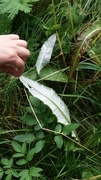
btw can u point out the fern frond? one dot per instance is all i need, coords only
(12, 7)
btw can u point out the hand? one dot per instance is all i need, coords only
(13, 54)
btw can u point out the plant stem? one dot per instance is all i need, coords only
(59, 133)
(57, 34)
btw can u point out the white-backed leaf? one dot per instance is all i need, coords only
(49, 97)
(45, 53)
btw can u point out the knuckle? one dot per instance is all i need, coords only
(28, 52)
(12, 54)
(16, 35)
(21, 64)
(26, 44)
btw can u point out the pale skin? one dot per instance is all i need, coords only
(13, 54)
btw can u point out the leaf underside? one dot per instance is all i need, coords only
(49, 97)
(45, 53)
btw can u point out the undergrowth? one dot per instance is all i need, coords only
(25, 147)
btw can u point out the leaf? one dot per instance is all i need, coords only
(6, 24)
(50, 73)
(23, 174)
(37, 127)
(59, 141)
(9, 177)
(21, 162)
(16, 146)
(87, 174)
(49, 97)
(29, 177)
(5, 161)
(45, 53)
(30, 154)
(29, 120)
(23, 148)
(70, 128)
(28, 138)
(8, 171)
(17, 155)
(39, 146)
(89, 66)
(15, 173)
(12, 7)
(53, 74)
(1, 173)
(11, 162)
(85, 38)
(40, 134)
(35, 172)
(69, 146)
(58, 128)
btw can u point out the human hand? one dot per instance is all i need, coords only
(13, 54)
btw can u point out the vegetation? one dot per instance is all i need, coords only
(33, 144)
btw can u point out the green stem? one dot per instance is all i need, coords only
(57, 34)
(15, 130)
(71, 19)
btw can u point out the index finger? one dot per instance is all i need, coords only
(11, 36)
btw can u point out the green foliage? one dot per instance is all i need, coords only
(83, 43)
(69, 128)
(12, 7)
(22, 156)
(6, 24)
(59, 141)
(28, 138)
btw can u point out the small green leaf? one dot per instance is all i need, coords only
(11, 162)
(51, 119)
(16, 146)
(39, 146)
(39, 134)
(69, 146)
(58, 128)
(29, 177)
(35, 172)
(17, 155)
(87, 174)
(30, 154)
(29, 120)
(9, 177)
(69, 128)
(8, 171)
(34, 101)
(5, 161)
(23, 148)
(21, 162)
(37, 127)
(28, 138)
(1, 173)
(15, 173)
(59, 141)
(23, 174)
